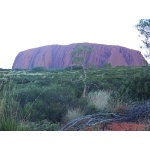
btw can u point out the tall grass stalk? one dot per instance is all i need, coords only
(9, 108)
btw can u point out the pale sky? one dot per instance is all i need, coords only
(26, 24)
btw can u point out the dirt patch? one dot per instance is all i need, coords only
(123, 126)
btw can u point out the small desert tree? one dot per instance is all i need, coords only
(143, 27)
(79, 58)
(80, 54)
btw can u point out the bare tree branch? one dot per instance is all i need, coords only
(131, 115)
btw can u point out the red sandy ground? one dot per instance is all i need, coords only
(119, 127)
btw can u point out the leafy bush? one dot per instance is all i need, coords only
(107, 65)
(21, 80)
(43, 82)
(135, 89)
(47, 103)
(38, 69)
(90, 109)
(43, 125)
(75, 67)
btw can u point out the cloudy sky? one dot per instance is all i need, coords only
(26, 24)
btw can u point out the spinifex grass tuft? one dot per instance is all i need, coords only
(99, 99)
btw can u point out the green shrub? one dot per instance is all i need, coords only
(47, 103)
(90, 109)
(135, 89)
(74, 68)
(107, 65)
(38, 69)
(43, 125)
(53, 112)
(43, 82)
(21, 80)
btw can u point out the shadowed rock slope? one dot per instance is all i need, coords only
(59, 56)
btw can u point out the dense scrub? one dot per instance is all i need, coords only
(30, 97)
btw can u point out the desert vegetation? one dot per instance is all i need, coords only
(43, 99)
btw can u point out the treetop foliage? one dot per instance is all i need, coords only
(80, 54)
(143, 27)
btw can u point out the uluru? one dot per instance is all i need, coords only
(59, 56)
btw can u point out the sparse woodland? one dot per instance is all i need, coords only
(41, 99)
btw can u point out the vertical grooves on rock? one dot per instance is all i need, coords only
(58, 56)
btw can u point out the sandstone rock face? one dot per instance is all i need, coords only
(59, 56)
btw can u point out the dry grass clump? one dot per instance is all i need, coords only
(73, 113)
(99, 99)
